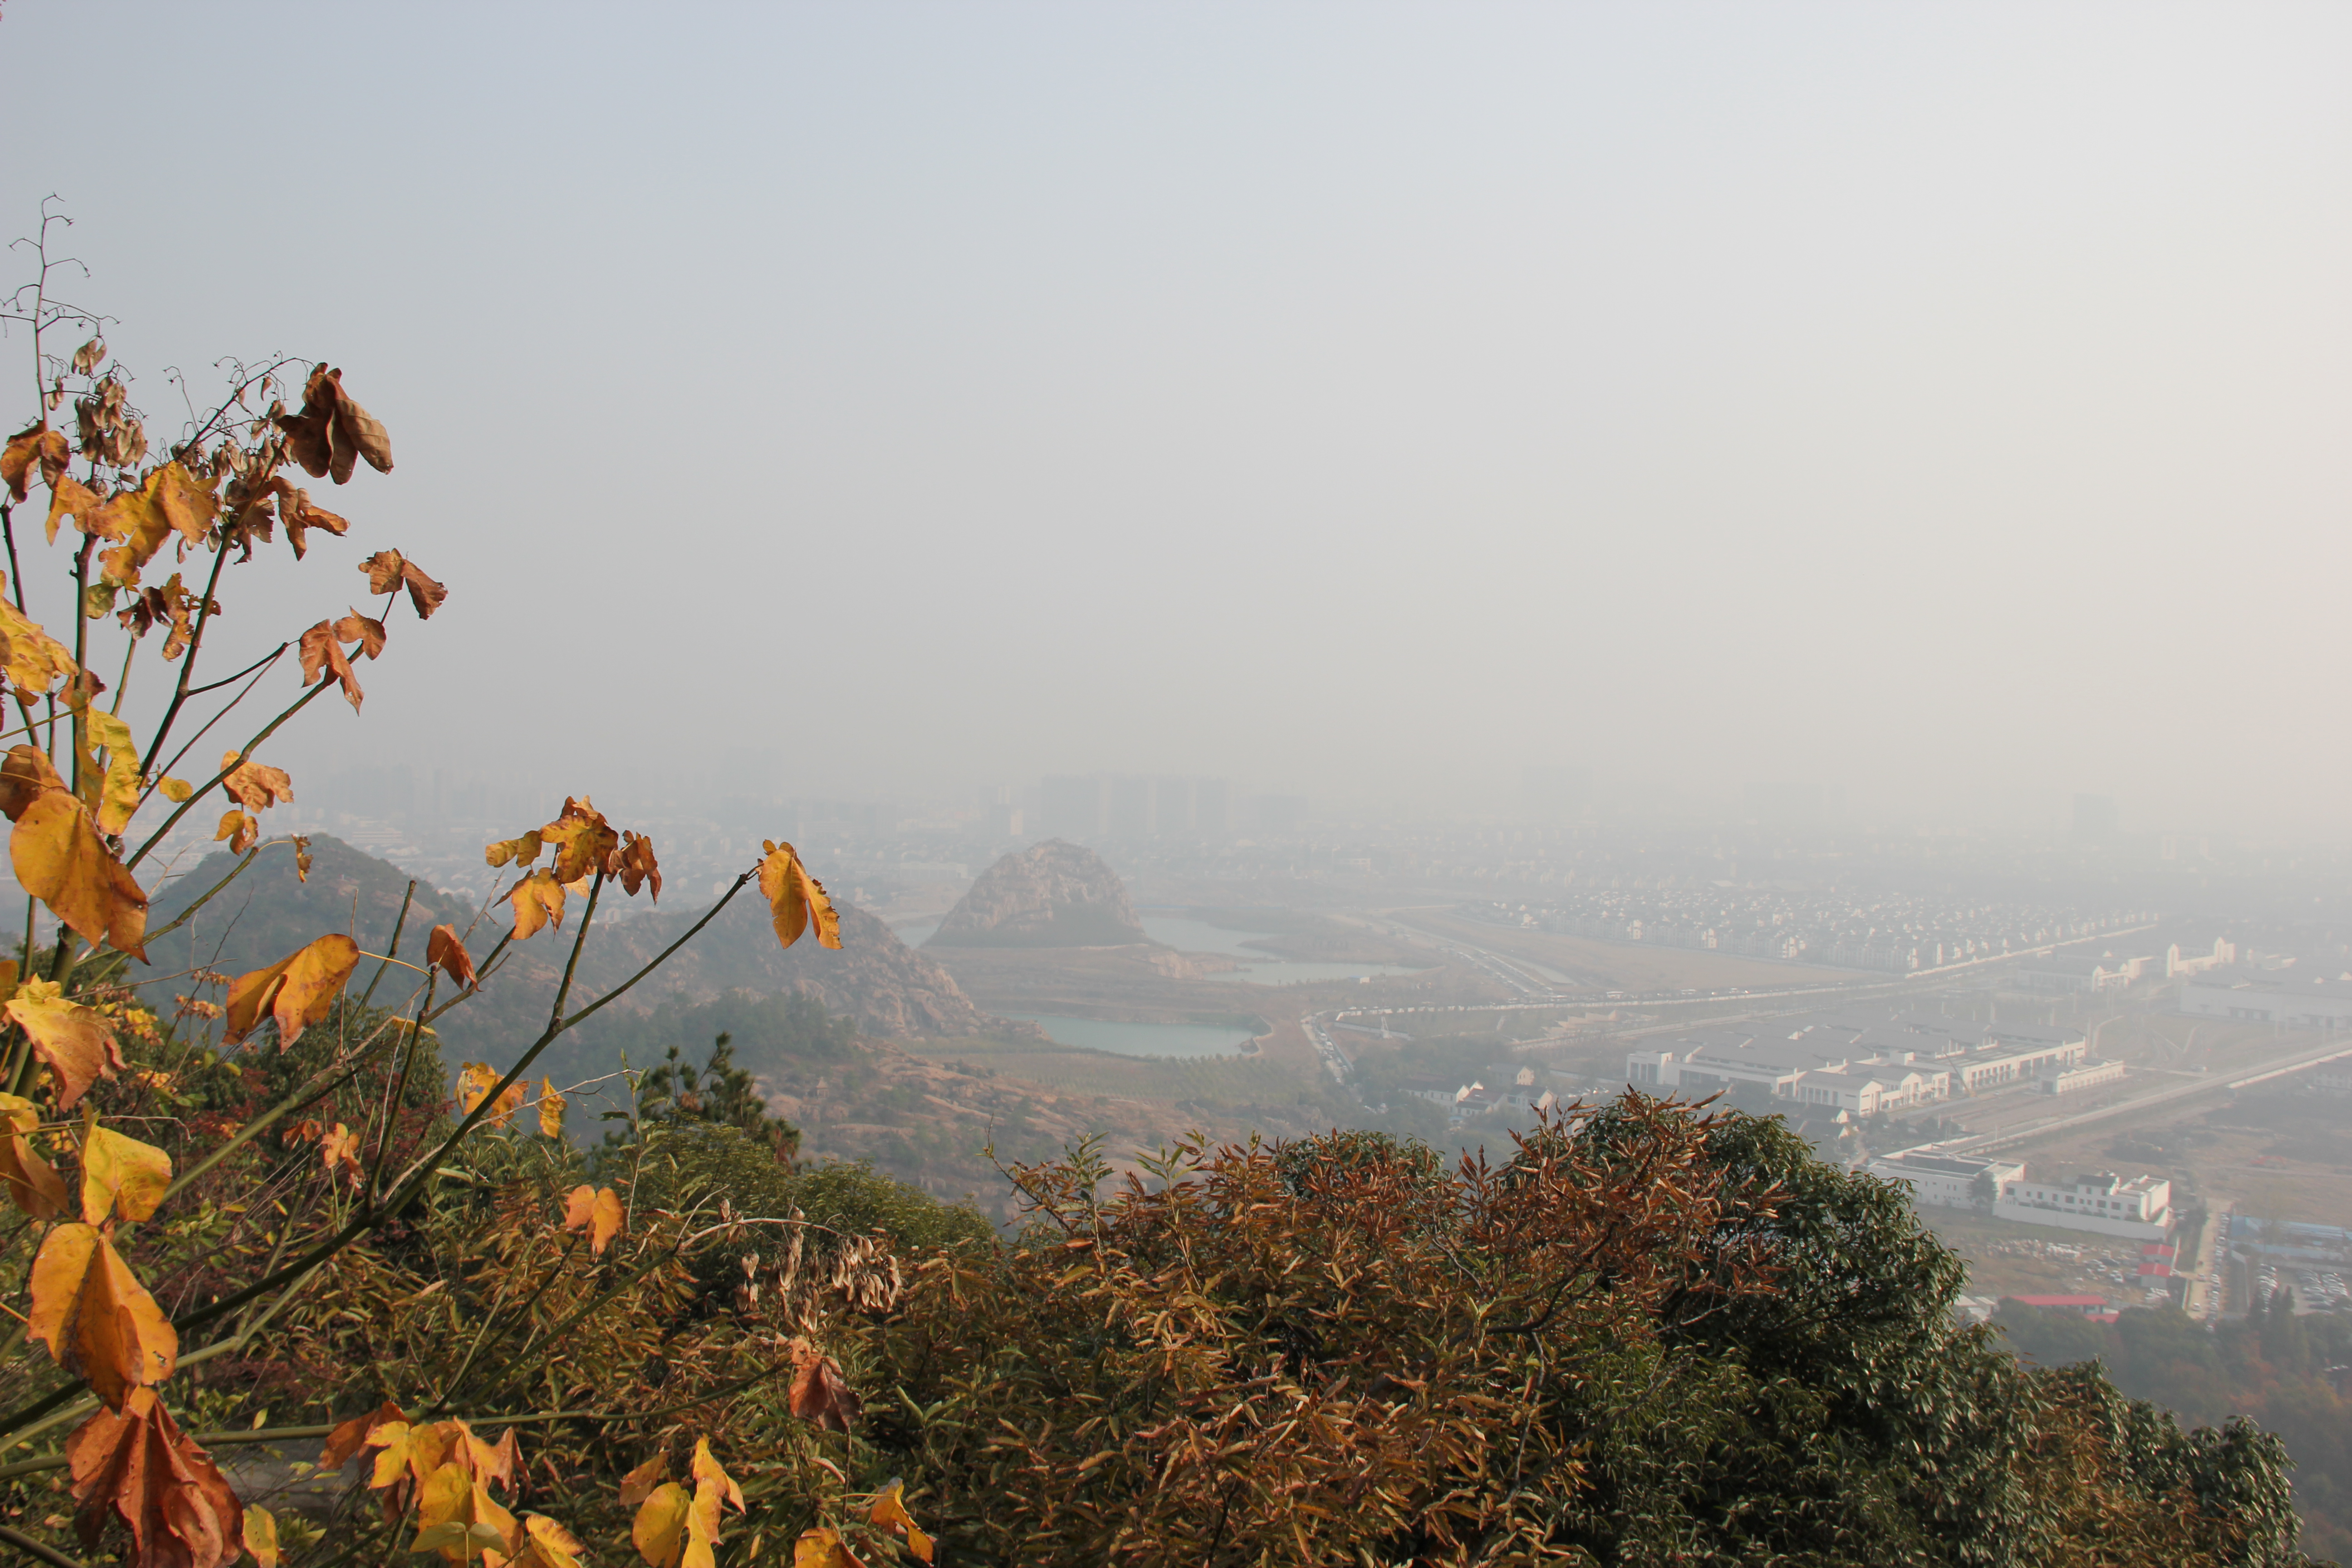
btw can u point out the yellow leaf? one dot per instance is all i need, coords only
(475, 1080)
(550, 1109)
(31, 658)
(659, 1531)
(706, 1472)
(119, 796)
(823, 1548)
(68, 497)
(177, 791)
(172, 501)
(538, 901)
(261, 1535)
(795, 898)
(521, 851)
(297, 990)
(415, 1451)
(121, 1178)
(95, 1317)
(60, 861)
(889, 1512)
(581, 837)
(73, 1040)
(240, 830)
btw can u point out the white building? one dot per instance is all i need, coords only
(2288, 991)
(2194, 956)
(1867, 1090)
(2106, 1204)
(2090, 1075)
(1860, 1063)
(1946, 1180)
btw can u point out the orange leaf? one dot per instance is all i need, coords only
(256, 787)
(550, 1109)
(96, 1318)
(818, 1393)
(25, 777)
(606, 1221)
(297, 990)
(388, 570)
(359, 628)
(795, 898)
(60, 861)
(635, 865)
(340, 1147)
(639, 1483)
(39, 446)
(241, 831)
(121, 1178)
(538, 901)
(600, 1213)
(322, 652)
(301, 843)
(73, 1040)
(33, 1183)
(444, 950)
(138, 1466)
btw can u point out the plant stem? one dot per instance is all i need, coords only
(393, 950)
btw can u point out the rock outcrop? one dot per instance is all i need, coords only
(1053, 894)
(888, 988)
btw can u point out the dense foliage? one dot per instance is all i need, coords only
(2276, 1366)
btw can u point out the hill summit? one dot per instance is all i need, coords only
(1053, 894)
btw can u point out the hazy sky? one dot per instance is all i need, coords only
(1950, 403)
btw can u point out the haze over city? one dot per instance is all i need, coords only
(1943, 405)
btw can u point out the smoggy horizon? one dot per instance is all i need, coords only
(1942, 408)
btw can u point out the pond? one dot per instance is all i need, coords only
(1141, 1039)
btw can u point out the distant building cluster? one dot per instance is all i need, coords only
(1860, 1063)
(1903, 935)
(2273, 989)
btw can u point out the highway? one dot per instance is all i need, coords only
(1984, 1142)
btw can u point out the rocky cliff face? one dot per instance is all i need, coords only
(1053, 894)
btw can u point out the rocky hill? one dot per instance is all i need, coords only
(1053, 894)
(889, 989)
